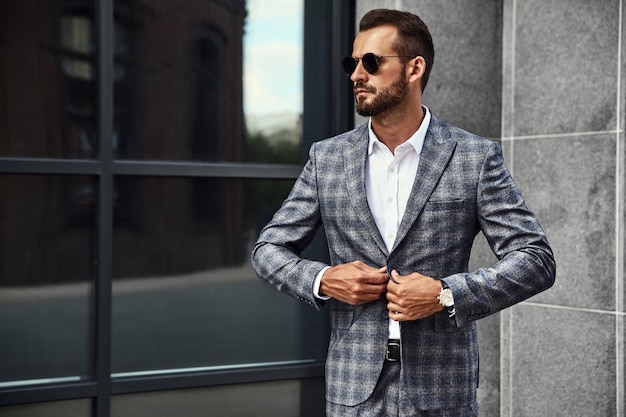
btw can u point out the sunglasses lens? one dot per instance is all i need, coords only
(370, 62)
(349, 65)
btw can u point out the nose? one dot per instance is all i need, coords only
(359, 73)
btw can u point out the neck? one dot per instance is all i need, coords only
(395, 128)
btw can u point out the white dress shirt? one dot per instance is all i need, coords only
(389, 178)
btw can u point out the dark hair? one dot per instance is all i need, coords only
(413, 35)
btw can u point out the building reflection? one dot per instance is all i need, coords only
(177, 97)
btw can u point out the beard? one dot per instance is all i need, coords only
(386, 99)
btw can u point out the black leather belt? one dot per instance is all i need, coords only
(393, 350)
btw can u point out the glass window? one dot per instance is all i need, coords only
(75, 408)
(208, 82)
(47, 101)
(185, 295)
(46, 275)
(281, 398)
(273, 73)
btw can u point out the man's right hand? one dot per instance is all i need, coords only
(354, 283)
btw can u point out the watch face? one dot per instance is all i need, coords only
(446, 298)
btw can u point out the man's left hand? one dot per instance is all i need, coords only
(412, 296)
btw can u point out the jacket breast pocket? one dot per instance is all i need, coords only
(448, 215)
(447, 205)
(445, 231)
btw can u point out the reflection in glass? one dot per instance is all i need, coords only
(76, 39)
(185, 295)
(46, 275)
(74, 408)
(271, 399)
(184, 76)
(178, 93)
(273, 73)
(202, 82)
(47, 79)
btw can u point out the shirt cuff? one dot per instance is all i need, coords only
(316, 285)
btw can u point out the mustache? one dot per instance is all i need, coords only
(362, 86)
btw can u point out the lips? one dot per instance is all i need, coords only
(360, 89)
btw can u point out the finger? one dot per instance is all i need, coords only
(395, 315)
(391, 276)
(377, 289)
(378, 277)
(394, 276)
(394, 288)
(394, 307)
(365, 267)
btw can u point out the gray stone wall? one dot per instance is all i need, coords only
(547, 79)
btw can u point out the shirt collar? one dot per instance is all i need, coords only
(416, 140)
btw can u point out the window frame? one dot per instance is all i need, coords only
(329, 28)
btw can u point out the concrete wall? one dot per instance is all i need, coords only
(546, 78)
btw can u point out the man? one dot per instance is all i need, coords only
(401, 199)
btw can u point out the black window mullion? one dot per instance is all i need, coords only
(103, 286)
(184, 380)
(328, 32)
(206, 169)
(343, 32)
(44, 166)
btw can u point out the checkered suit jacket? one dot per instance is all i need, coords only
(461, 188)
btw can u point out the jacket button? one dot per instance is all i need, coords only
(385, 314)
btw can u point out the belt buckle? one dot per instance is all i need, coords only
(393, 351)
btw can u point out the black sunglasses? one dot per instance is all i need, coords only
(369, 60)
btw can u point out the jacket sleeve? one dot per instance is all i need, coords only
(276, 255)
(525, 264)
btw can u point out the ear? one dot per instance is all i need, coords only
(416, 68)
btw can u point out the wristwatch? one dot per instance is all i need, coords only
(447, 300)
(445, 297)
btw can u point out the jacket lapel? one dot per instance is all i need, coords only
(436, 152)
(355, 156)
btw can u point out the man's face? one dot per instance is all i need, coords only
(378, 101)
(388, 87)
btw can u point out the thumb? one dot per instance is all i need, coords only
(393, 276)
